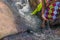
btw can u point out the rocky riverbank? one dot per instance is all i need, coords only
(25, 21)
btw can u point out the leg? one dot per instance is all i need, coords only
(43, 24)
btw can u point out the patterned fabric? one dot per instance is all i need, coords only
(52, 10)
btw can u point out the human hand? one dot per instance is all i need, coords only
(44, 17)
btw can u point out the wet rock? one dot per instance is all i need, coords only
(24, 17)
(34, 36)
(10, 21)
(7, 24)
(24, 21)
(20, 36)
(25, 12)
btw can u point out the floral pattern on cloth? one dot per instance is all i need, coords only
(52, 11)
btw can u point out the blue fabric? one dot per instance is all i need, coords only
(55, 10)
(57, 3)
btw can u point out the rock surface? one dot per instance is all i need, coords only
(25, 21)
(7, 24)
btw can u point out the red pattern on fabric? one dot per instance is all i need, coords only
(52, 14)
(54, 4)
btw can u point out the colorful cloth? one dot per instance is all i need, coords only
(52, 10)
(39, 7)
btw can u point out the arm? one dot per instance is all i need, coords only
(43, 7)
(43, 10)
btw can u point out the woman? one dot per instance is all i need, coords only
(45, 5)
(50, 11)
